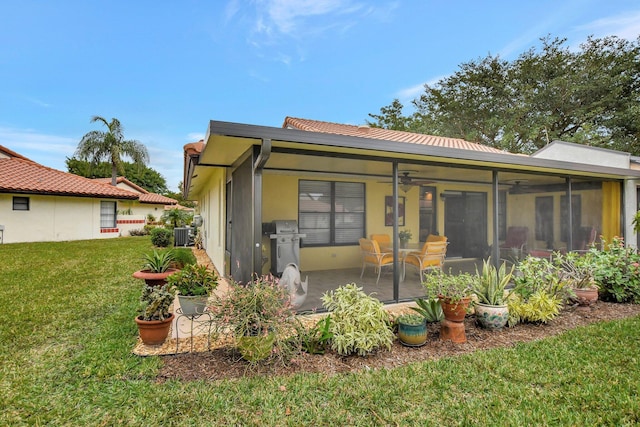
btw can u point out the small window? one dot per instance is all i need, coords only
(20, 203)
(107, 214)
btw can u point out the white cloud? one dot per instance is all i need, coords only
(33, 141)
(48, 150)
(290, 16)
(408, 94)
(626, 26)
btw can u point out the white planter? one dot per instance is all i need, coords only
(192, 306)
(492, 316)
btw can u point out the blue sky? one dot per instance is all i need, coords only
(165, 68)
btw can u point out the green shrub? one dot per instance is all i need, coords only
(183, 257)
(316, 339)
(540, 307)
(161, 237)
(616, 271)
(539, 274)
(139, 232)
(359, 322)
(539, 293)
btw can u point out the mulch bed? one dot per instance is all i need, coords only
(225, 363)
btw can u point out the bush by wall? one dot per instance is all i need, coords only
(161, 237)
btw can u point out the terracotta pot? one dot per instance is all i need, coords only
(412, 335)
(154, 332)
(492, 316)
(154, 279)
(455, 311)
(586, 296)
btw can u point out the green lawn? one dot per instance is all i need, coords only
(67, 331)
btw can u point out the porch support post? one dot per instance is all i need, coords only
(570, 215)
(259, 162)
(396, 264)
(495, 247)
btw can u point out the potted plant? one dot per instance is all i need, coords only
(412, 329)
(154, 320)
(404, 236)
(256, 315)
(156, 268)
(452, 290)
(577, 271)
(492, 311)
(193, 284)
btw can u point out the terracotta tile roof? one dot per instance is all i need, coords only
(194, 147)
(122, 180)
(143, 195)
(5, 152)
(157, 199)
(18, 175)
(385, 134)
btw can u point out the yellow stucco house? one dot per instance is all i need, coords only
(338, 183)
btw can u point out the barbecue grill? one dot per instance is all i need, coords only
(285, 245)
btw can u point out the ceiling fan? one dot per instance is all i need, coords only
(405, 182)
(518, 188)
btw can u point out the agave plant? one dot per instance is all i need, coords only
(158, 261)
(491, 284)
(430, 309)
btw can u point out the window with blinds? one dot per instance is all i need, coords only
(20, 203)
(107, 214)
(331, 213)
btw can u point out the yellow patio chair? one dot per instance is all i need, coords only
(384, 240)
(431, 256)
(371, 255)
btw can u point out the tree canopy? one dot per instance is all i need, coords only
(97, 146)
(141, 175)
(588, 95)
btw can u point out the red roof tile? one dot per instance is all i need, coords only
(385, 134)
(122, 179)
(144, 195)
(18, 175)
(194, 147)
(157, 198)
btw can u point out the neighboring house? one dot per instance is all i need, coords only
(343, 182)
(133, 215)
(38, 203)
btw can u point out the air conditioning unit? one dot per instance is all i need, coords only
(180, 236)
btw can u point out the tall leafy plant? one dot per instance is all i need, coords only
(359, 322)
(492, 283)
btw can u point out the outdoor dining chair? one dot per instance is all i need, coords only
(371, 255)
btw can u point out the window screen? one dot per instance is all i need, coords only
(331, 213)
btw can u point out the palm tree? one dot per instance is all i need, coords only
(97, 146)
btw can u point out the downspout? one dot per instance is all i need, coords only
(258, 165)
